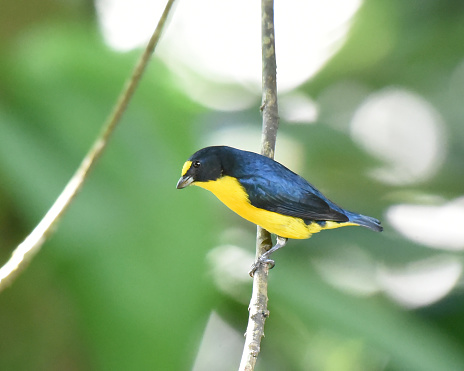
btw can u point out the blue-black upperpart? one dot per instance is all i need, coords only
(271, 186)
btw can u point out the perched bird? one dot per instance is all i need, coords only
(268, 194)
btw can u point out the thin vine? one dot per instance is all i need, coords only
(27, 249)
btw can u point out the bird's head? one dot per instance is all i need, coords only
(203, 166)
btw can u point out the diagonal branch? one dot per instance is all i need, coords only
(25, 251)
(258, 311)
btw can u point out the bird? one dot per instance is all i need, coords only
(266, 193)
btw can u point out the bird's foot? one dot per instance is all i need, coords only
(263, 259)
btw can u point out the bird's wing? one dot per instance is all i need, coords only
(287, 193)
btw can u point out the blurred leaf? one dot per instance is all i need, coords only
(127, 252)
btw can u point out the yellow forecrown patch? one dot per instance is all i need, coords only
(186, 167)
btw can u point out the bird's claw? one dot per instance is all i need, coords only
(261, 261)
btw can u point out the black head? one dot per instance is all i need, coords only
(203, 166)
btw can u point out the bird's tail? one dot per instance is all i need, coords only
(366, 221)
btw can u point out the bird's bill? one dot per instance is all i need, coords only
(184, 181)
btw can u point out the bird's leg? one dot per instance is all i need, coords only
(264, 258)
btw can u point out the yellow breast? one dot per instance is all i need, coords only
(233, 195)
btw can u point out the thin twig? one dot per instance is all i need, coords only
(258, 311)
(25, 251)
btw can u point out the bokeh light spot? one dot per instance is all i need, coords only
(221, 345)
(296, 108)
(219, 41)
(421, 283)
(436, 226)
(403, 130)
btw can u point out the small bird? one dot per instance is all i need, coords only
(268, 194)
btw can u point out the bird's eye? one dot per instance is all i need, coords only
(196, 164)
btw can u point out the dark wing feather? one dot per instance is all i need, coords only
(280, 190)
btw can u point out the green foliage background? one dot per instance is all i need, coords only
(125, 282)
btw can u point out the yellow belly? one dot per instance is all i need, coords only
(233, 195)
